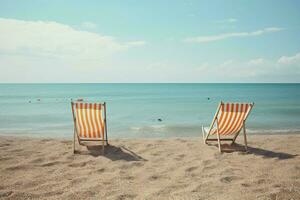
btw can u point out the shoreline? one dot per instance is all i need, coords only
(176, 168)
(70, 137)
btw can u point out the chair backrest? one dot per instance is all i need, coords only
(231, 117)
(89, 119)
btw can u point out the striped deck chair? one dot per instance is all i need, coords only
(89, 123)
(228, 121)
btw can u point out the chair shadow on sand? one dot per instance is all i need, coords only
(227, 148)
(112, 152)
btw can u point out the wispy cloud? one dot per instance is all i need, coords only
(254, 70)
(223, 36)
(228, 20)
(257, 61)
(288, 60)
(52, 39)
(136, 43)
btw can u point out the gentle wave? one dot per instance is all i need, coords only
(193, 129)
(273, 131)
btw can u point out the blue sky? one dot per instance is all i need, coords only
(150, 41)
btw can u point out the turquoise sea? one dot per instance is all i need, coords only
(133, 110)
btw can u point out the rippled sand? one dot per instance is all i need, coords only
(150, 169)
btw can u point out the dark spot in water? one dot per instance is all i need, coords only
(159, 119)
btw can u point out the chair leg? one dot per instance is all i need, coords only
(234, 138)
(74, 148)
(74, 143)
(103, 147)
(219, 143)
(203, 135)
(218, 135)
(245, 137)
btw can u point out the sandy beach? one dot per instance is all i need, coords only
(34, 168)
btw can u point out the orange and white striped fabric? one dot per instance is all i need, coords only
(89, 120)
(231, 117)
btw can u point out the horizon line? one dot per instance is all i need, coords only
(149, 82)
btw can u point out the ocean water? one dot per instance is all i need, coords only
(133, 110)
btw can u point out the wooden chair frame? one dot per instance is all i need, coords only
(219, 139)
(80, 140)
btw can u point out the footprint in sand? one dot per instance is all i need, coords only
(50, 171)
(4, 145)
(50, 194)
(16, 150)
(149, 145)
(18, 167)
(31, 184)
(229, 179)
(77, 195)
(277, 185)
(137, 164)
(70, 157)
(4, 194)
(54, 157)
(154, 154)
(261, 181)
(51, 164)
(129, 178)
(228, 172)
(154, 177)
(78, 180)
(190, 169)
(245, 184)
(207, 162)
(130, 165)
(82, 164)
(179, 157)
(168, 155)
(5, 158)
(126, 196)
(259, 190)
(100, 170)
(198, 188)
(64, 153)
(37, 160)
